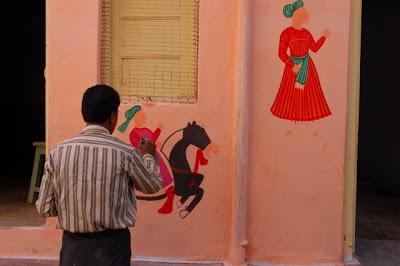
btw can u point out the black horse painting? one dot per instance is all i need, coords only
(187, 181)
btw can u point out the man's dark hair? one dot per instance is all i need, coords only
(98, 103)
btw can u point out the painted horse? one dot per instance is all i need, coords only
(186, 181)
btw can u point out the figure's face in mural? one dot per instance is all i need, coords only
(140, 119)
(301, 16)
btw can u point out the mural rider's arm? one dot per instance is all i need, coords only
(157, 132)
(45, 204)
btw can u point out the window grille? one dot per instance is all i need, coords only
(149, 49)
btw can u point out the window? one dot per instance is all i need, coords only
(150, 48)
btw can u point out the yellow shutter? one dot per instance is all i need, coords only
(154, 49)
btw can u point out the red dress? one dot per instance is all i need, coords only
(293, 103)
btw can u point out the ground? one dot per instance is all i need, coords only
(14, 210)
(378, 226)
(10, 262)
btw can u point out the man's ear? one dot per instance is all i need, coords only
(114, 117)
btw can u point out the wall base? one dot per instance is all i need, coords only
(258, 263)
(136, 261)
(153, 261)
(351, 260)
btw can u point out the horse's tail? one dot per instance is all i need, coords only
(152, 198)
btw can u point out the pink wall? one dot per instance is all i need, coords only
(72, 66)
(296, 169)
(204, 234)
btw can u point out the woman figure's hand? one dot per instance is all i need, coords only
(296, 68)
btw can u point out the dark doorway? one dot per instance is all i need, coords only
(378, 189)
(23, 105)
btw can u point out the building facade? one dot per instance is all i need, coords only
(278, 179)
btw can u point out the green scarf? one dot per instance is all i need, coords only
(302, 75)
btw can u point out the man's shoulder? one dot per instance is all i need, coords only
(96, 140)
(61, 144)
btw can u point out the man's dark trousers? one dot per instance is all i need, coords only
(107, 248)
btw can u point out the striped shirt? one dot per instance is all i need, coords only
(89, 182)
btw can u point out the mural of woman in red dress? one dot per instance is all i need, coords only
(300, 96)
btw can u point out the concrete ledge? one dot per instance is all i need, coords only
(318, 264)
(51, 262)
(54, 262)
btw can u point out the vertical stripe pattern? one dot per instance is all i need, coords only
(89, 182)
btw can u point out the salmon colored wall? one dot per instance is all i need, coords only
(72, 66)
(71, 63)
(204, 234)
(294, 171)
(295, 201)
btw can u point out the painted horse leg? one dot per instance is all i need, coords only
(194, 182)
(167, 207)
(196, 191)
(184, 198)
(198, 195)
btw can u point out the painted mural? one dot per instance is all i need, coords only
(185, 180)
(300, 96)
